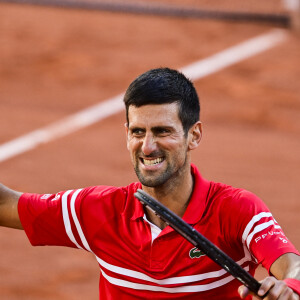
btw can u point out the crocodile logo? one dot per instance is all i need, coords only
(196, 253)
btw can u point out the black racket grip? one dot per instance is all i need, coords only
(198, 240)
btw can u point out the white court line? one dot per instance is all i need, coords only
(114, 105)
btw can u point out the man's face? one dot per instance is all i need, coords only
(156, 142)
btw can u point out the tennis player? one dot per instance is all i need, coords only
(140, 257)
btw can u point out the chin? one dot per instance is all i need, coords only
(152, 182)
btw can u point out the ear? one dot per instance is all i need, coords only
(126, 131)
(195, 135)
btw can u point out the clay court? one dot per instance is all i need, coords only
(55, 62)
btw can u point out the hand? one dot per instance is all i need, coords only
(277, 289)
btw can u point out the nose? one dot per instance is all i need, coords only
(148, 144)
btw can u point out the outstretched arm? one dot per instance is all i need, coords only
(286, 266)
(9, 216)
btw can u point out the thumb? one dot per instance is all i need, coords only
(243, 291)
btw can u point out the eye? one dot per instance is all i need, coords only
(137, 132)
(162, 131)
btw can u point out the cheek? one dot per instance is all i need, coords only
(132, 146)
(180, 150)
(175, 145)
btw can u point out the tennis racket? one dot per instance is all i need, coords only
(199, 241)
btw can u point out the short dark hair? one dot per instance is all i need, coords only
(162, 86)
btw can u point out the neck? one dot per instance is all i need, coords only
(174, 195)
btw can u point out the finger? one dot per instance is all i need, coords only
(287, 294)
(276, 289)
(281, 291)
(266, 285)
(244, 291)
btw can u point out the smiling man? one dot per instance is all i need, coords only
(140, 257)
(158, 146)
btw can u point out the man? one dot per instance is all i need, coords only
(139, 255)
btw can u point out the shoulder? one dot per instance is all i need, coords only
(235, 198)
(235, 205)
(233, 210)
(106, 196)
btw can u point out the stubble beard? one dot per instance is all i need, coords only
(153, 180)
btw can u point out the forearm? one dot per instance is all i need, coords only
(286, 266)
(9, 208)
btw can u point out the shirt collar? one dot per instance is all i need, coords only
(197, 202)
(138, 211)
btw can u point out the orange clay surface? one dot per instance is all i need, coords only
(55, 62)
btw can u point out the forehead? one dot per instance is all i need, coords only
(154, 115)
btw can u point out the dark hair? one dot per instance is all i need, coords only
(162, 86)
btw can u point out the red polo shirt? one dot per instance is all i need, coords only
(108, 221)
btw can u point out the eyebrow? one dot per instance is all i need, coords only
(157, 128)
(154, 128)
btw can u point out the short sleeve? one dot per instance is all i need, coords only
(70, 218)
(45, 218)
(261, 234)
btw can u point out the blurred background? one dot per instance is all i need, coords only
(58, 58)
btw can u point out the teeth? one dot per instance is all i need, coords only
(151, 162)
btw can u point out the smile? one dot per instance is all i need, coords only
(151, 162)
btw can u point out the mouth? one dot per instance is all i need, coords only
(152, 161)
